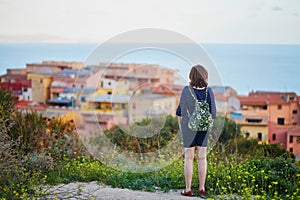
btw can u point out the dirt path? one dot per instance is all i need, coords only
(93, 190)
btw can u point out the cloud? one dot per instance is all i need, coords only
(276, 8)
(295, 14)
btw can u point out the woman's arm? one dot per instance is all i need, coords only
(213, 109)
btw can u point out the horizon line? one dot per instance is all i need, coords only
(99, 43)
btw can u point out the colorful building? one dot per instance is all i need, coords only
(138, 75)
(147, 105)
(41, 84)
(268, 116)
(68, 88)
(168, 90)
(16, 81)
(293, 142)
(52, 67)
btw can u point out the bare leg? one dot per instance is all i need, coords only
(188, 167)
(202, 166)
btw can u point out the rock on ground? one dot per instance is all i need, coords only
(95, 191)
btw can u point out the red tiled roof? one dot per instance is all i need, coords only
(261, 100)
(170, 89)
(23, 104)
(265, 98)
(262, 93)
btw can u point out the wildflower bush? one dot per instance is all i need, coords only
(16, 181)
(30, 146)
(263, 178)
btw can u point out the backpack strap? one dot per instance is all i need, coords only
(206, 94)
(192, 93)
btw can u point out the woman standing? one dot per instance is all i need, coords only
(195, 139)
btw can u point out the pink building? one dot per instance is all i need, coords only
(281, 111)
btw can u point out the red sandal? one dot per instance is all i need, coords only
(186, 193)
(202, 194)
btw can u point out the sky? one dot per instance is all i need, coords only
(204, 21)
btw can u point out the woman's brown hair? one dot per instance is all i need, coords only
(198, 76)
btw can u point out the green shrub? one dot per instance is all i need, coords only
(16, 181)
(160, 138)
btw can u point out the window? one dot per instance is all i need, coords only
(123, 105)
(274, 136)
(280, 121)
(259, 136)
(298, 139)
(247, 134)
(291, 150)
(279, 107)
(41, 80)
(265, 107)
(292, 98)
(97, 105)
(254, 120)
(295, 112)
(291, 139)
(83, 99)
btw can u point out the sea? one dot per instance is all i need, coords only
(244, 67)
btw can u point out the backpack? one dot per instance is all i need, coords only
(201, 119)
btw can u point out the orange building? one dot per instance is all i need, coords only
(272, 115)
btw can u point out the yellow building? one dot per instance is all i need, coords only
(259, 132)
(41, 84)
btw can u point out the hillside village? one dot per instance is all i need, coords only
(123, 93)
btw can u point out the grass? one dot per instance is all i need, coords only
(254, 178)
